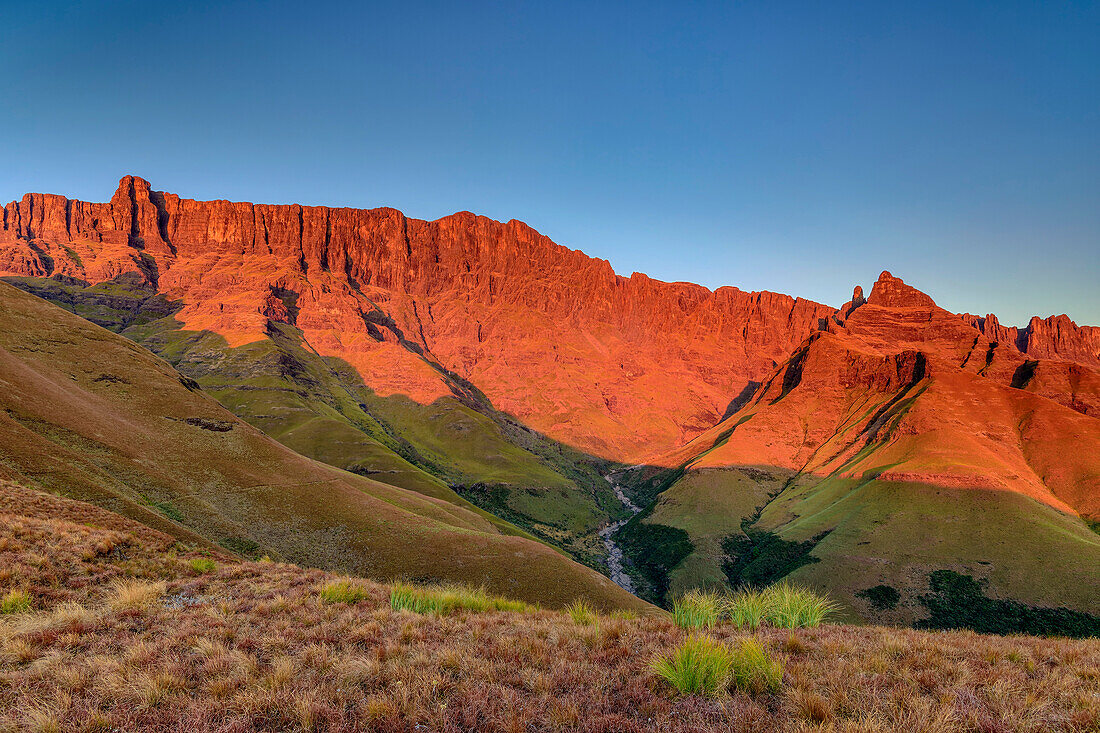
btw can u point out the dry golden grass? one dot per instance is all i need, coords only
(134, 594)
(252, 646)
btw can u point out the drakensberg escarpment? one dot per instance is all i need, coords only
(617, 366)
(621, 367)
(894, 446)
(847, 446)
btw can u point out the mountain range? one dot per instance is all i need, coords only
(478, 382)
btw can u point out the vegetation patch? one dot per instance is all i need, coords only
(699, 666)
(881, 597)
(169, 510)
(654, 549)
(241, 546)
(791, 607)
(958, 601)
(757, 558)
(753, 670)
(748, 608)
(202, 565)
(644, 487)
(15, 601)
(697, 610)
(582, 613)
(449, 599)
(73, 255)
(343, 591)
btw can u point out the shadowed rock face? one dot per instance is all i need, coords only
(617, 366)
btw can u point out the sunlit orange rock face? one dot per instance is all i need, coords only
(620, 367)
(901, 390)
(625, 368)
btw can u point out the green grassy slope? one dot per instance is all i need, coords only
(88, 414)
(321, 408)
(862, 534)
(837, 516)
(898, 533)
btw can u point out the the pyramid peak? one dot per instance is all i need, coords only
(892, 292)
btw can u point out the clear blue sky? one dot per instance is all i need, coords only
(797, 147)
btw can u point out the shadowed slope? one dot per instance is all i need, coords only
(91, 415)
(320, 407)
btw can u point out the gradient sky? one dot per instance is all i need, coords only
(796, 147)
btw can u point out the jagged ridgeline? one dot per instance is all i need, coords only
(887, 463)
(478, 363)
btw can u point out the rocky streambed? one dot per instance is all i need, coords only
(607, 534)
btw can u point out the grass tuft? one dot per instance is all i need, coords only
(134, 594)
(747, 608)
(202, 565)
(450, 598)
(754, 671)
(697, 610)
(582, 613)
(699, 666)
(792, 607)
(15, 601)
(343, 591)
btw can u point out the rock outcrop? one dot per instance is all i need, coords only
(899, 442)
(617, 366)
(1053, 337)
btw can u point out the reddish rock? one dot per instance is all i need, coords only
(908, 392)
(618, 366)
(891, 292)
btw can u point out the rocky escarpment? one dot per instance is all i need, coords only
(622, 367)
(1054, 337)
(1051, 357)
(895, 444)
(616, 365)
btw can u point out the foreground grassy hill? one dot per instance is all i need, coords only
(90, 415)
(110, 625)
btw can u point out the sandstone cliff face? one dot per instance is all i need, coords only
(620, 367)
(1053, 337)
(617, 366)
(899, 441)
(941, 404)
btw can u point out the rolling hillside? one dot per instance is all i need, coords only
(90, 415)
(120, 628)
